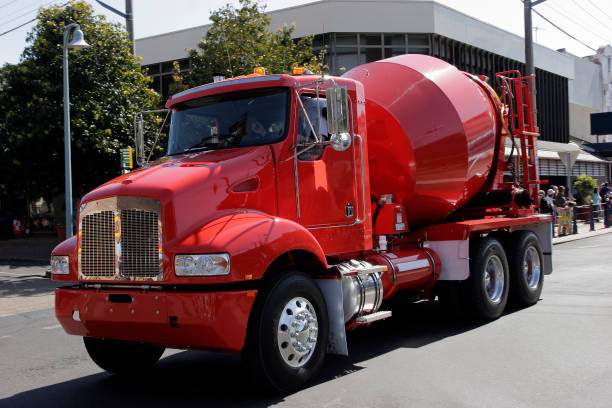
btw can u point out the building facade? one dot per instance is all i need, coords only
(353, 32)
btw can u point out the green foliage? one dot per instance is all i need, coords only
(585, 185)
(106, 88)
(238, 41)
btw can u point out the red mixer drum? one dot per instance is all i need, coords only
(431, 134)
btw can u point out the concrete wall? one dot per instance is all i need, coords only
(374, 16)
(585, 97)
(168, 46)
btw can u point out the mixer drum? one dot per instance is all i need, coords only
(431, 134)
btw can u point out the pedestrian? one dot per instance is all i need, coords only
(560, 201)
(604, 191)
(596, 204)
(547, 205)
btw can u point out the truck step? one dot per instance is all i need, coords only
(383, 314)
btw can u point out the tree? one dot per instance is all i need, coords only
(239, 40)
(585, 185)
(106, 88)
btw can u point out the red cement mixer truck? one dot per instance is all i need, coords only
(289, 208)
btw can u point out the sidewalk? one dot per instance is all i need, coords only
(583, 232)
(35, 249)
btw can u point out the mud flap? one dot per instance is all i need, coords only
(332, 292)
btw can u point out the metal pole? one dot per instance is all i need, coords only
(67, 158)
(129, 23)
(528, 39)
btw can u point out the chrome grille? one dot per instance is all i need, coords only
(98, 244)
(120, 239)
(139, 244)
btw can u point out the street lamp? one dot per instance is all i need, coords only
(77, 43)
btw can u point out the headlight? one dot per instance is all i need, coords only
(60, 265)
(202, 265)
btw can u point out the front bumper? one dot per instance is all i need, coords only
(209, 320)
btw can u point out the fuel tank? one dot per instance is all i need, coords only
(431, 130)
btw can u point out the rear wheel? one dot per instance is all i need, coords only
(526, 276)
(486, 289)
(121, 357)
(288, 332)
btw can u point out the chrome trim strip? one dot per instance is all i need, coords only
(433, 263)
(392, 267)
(412, 265)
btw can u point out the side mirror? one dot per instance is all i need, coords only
(139, 138)
(337, 110)
(338, 117)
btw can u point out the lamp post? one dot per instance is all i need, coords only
(77, 43)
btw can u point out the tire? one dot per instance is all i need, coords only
(122, 357)
(526, 274)
(292, 304)
(485, 292)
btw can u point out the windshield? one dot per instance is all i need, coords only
(245, 118)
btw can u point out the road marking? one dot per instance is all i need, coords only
(55, 326)
(4, 337)
(588, 246)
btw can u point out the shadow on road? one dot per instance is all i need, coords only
(206, 379)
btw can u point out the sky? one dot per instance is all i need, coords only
(589, 21)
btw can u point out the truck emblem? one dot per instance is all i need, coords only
(348, 210)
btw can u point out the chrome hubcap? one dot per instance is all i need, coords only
(531, 267)
(297, 332)
(493, 278)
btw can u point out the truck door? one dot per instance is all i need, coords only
(326, 179)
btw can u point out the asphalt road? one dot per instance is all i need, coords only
(555, 354)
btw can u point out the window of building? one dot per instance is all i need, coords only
(162, 75)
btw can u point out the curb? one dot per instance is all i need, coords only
(575, 237)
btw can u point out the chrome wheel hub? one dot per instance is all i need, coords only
(493, 278)
(531, 267)
(297, 332)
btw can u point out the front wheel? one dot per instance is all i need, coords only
(288, 332)
(122, 357)
(486, 289)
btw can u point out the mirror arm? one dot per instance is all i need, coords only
(139, 134)
(307, 117)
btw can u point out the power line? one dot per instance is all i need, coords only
(597, 7)
(26, 13)
(10, 2)
(23, 6)
(562, 30)
(26, 23)
(19, 26)
(578, 23)
(589, 13)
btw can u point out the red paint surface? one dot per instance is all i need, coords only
(431, 134)
(407, 279)
(216, 320)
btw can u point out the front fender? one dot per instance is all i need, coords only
(253, 240)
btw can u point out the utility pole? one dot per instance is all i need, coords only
(129, 19)
(528, 4)
(129, 22)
